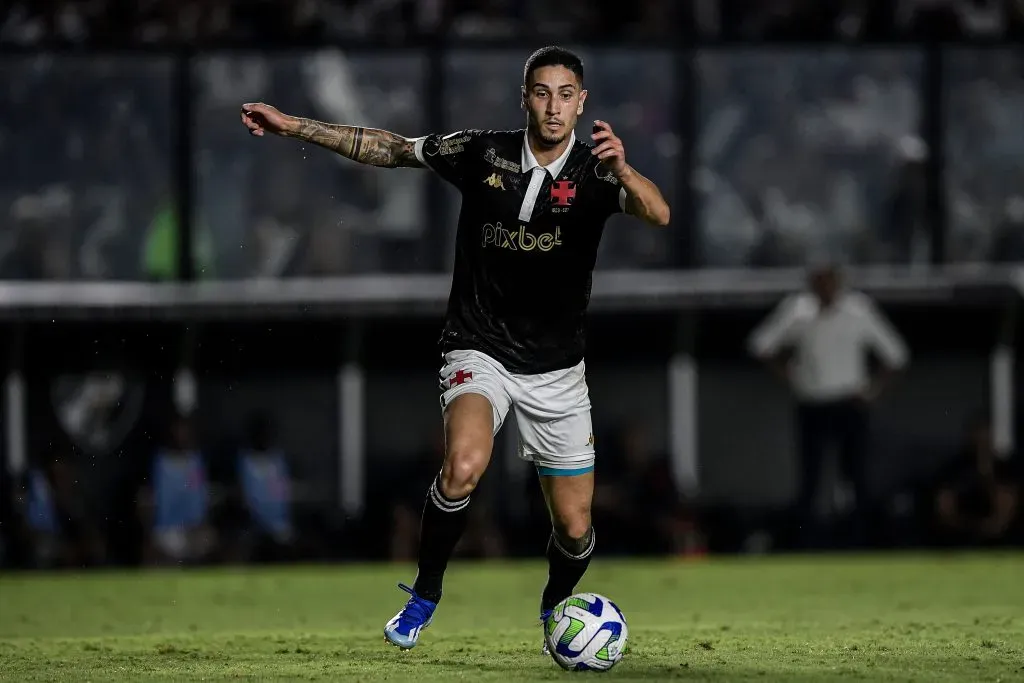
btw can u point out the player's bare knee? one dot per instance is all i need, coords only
(464, 465)
(574, 529)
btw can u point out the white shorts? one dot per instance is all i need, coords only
(552, 408)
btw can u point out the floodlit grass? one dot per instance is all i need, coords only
(873, 618)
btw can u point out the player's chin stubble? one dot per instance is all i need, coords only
(548, 139)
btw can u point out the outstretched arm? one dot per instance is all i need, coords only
(370, 146)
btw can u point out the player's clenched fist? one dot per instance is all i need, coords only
(261, 118)
(609, 148)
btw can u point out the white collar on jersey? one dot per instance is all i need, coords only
(555, 167)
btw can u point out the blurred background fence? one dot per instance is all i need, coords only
(172, 283)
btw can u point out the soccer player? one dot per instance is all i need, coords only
(534, 205)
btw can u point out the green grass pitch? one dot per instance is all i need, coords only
(841, 618)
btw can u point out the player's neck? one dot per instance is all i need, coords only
(544, 153)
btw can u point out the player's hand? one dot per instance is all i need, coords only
(261, 118)
(609, 148)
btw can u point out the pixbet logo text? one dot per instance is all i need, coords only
(519, 240)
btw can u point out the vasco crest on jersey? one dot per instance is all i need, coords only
(563, 194)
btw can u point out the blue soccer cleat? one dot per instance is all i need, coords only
(544, 633)
(403, 631)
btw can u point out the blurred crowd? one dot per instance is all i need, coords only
(88, 145)
(802, 154)
(198, 499)
(984, 149)
(800, 151)
(162, 21)
(210, 497)
(187, 500)
(809, 156)
(853, 20)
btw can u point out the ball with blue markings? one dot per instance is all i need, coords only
(586, 632)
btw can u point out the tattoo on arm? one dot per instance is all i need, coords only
(370, 146)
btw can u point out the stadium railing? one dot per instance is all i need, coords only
(372, 295)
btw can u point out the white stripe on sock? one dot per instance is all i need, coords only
(582, 556)
(441, 500)
(443, 503)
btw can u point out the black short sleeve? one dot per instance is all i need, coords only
(450, 155)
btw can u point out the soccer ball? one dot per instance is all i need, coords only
(586, 632)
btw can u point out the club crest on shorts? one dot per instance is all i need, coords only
(460, 377)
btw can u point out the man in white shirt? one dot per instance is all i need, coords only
(818, 342)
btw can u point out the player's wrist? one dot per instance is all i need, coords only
(625, 175)
(290, 127)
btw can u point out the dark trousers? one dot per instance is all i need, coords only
(844, 425)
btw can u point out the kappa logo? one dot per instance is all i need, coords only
(494, 180)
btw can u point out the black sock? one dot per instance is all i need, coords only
(441, 527)
(566, 566)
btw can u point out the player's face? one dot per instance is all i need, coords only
(553, 99)
(825, 284)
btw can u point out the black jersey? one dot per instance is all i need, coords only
(526, 246)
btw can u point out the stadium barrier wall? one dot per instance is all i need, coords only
(350, 375)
